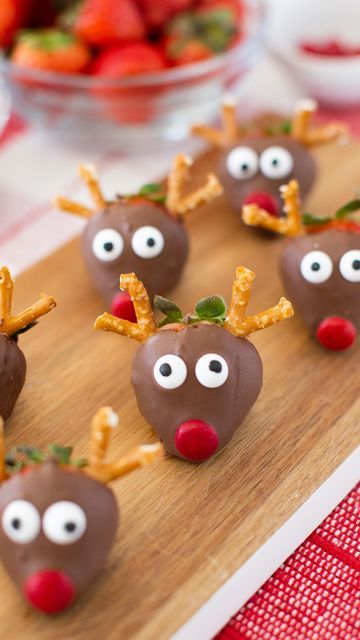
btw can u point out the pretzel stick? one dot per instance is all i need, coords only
(103, 421)
(3, 472)
(11, 324)
(69, 206)
(291, 226)
(139, 457)
(303, 113)
(241, 292)
(228, 119)
(327, 133)
(211, 189)
(88, 174)
(265, 319)
(213, 136)
(145, 325)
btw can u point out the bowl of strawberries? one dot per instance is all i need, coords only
(125, 70)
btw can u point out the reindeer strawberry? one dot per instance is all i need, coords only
(143, 233)
(320, 266)
(58, 518)
(254, 164)
(195, 377)
(12, 359)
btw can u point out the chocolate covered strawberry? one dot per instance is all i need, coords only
(12, 359)
(58, 518)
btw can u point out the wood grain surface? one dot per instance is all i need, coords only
(185, 529)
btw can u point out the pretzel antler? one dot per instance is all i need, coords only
(229, 131)
(103, 421)
(12, 324)
(301, 125)
(236, 322)
(178, 204)
(291, 225)
(87, 173)
(145, 325)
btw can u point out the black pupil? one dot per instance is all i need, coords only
(108, 246)
(70, 527)
(274, 162)
(356, 265)
(315, 266)
(150, 242)
(165, 369)
(16, 523)
(244, 166)
(215, 366)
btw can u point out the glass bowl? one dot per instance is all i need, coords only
(139, 110)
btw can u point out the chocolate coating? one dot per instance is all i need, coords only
(159, 274)
(12, 374)
(304, 171)
(81, 561)
(334, 297)
(223, 407)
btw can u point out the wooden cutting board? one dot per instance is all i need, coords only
(185, 529)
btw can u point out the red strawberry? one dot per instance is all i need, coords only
(13, 15)
(52, 50)
(130, 59)
(236, 7)
(158, 12)
(180, 52)
(133, 105)
(103, 23)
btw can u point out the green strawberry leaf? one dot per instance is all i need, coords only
(349, 207)
(32, 453)
(211, 308)
(150, 188)
(309, 219)
(168, 308)
(62, 453)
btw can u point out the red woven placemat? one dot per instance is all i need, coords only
(315, 594)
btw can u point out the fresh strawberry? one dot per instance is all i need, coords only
(133, 105)
(236, 7)
(128, 60)
(196, 35)
(13, 15)
(158, 12)
(52, 50)
(103, 23)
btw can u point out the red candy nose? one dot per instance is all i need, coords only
(122, 307)
(49, 591)
(337, 334)
(264, 201)
(196, 440)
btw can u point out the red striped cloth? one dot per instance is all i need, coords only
(315, 595)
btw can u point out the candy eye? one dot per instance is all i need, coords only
(349, 265)
(212, 370)
(21, 521)
(316, 267)
(108, 245)
(276, 163)
(64, 522)
(170, 371)
(147, 242)
(242, 163)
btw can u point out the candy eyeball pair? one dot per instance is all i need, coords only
(147, 242)
(211, 371)
(63, 522)
(317, 266)
(274, 163)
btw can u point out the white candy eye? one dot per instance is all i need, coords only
(349, 265)
(316, 267)
(212, 370)
(108, 244)
(170, 371)
(21, 521)
(64, 522)
(242, 163)
(276, 163)
(147, 242)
